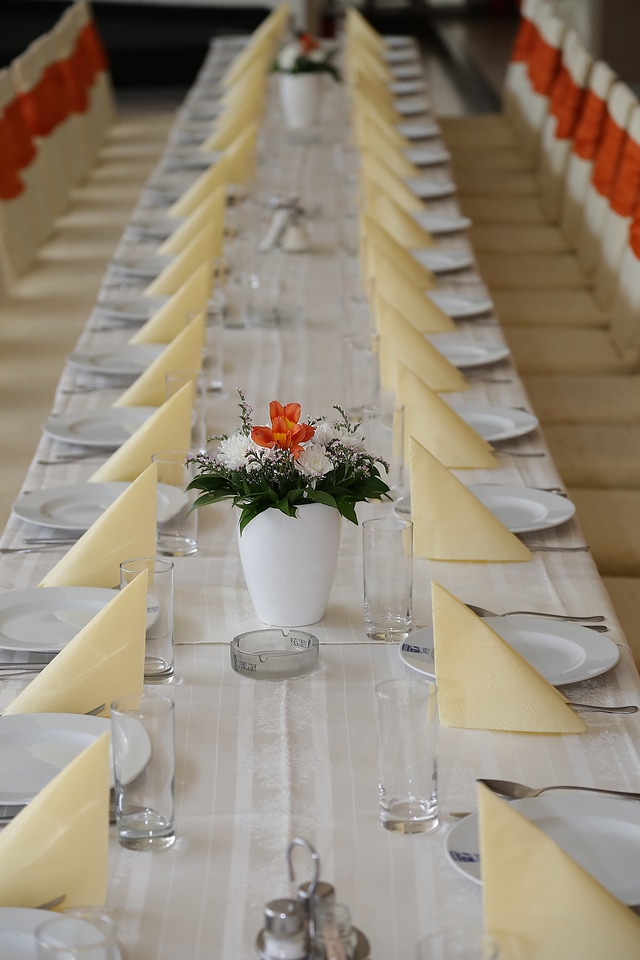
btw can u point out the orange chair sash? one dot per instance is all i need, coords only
(626, 185)
(524, 42)
(589, 126)
(608, 157)
(566, 100)
(23, 147)
(11, 185)
(544, 62)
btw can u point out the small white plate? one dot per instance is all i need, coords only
(140, 268)
(600, 833)
(431, 189)
(74, 507)
(562, 652)
(458, 307)
(498, 423)
(34, 747)
(107, 429)
(407, 88)
(407, 71)
(428, 157)
(523, 509)
(17, 932)
(443, 261)
(45, 619)
(409, 106)
(438, 225)
(419, 131)
(400, 55)
(132, 359)
(467, 354)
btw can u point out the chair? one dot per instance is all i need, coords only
(75, 77)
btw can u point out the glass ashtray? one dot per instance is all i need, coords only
(275, 654)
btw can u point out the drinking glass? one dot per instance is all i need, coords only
(407, 722)
(80, 934)
(459, 943)
(387, 555)
(178, 532)
(360, 372)
(173, 382)
(158, 653)
(144, 805)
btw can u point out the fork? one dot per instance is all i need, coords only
(34, 549)
(71, 458)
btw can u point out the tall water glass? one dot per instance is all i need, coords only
(177, 522)
(407, 722)
(387, 564)
(144, 804)
(173, 382)
(158, 653)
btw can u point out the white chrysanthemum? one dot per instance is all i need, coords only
(317, 55)
(325, 433)
(233, 451)
(355, 441)
(313, 461)
(288, 56)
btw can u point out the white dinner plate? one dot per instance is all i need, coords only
(108, 428)
(600, 833)
(467, 354)
(431, 189)
(407, 88)
(400, 55)
(562, 652)
(443, 261)
(45, 619)
(418, 131)
(498, 423)
(34, 747)
(458, 307)
(140, 268)
(75, 506)
(135, 310)
(407, 71)
(17, 932)
(409, 106)
(132, 359)
(428, 157)
(523, 509)
(439, 225)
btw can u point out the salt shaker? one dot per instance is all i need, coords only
(284, 936)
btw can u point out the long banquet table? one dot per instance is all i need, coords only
(261, 763)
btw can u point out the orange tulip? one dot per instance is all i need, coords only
(285, 431)
(307, 43)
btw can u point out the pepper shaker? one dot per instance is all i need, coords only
(284, 936)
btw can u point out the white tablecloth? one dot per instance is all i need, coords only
(259, 764)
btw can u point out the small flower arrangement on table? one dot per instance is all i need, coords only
(289, 464)
(306, 55)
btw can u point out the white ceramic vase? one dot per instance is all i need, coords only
(300, 96)
(289, 563)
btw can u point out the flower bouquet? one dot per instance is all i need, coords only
(306, 55)
(288, 464)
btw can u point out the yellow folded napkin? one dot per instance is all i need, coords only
(364, 113)
(232, 122)
(449, 523)
(200, 190)
(183, 353)
(410, 301)
(538, 900)
(125, 530)
(241, 155)
(361, 58)
(397, 222)
(377, 238)
(400, 341)
(483, 683)
(373, 141)
(385, 179)
(59, 843)
(438, 428)
(171, 319)
(200, 249)
(357, 27)
(264, 38)
(210, 211)
(102, 662)
(168, 428)
(362, 87)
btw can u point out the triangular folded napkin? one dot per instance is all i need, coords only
(58, 845)
(400, 341)
(373, 139)
(168, 428)
(104, 661)
(396, 221)
(210, 211)
(432, 422)
(483, 683)
(389, 183)
(449, 523)
(201, 189)
(200, 249)
(377, 238)
(183, 353)
(411, 301)
(126, 529)
(539, 901)
(171, 319)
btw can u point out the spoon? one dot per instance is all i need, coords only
(511, 790)
(482, 612)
